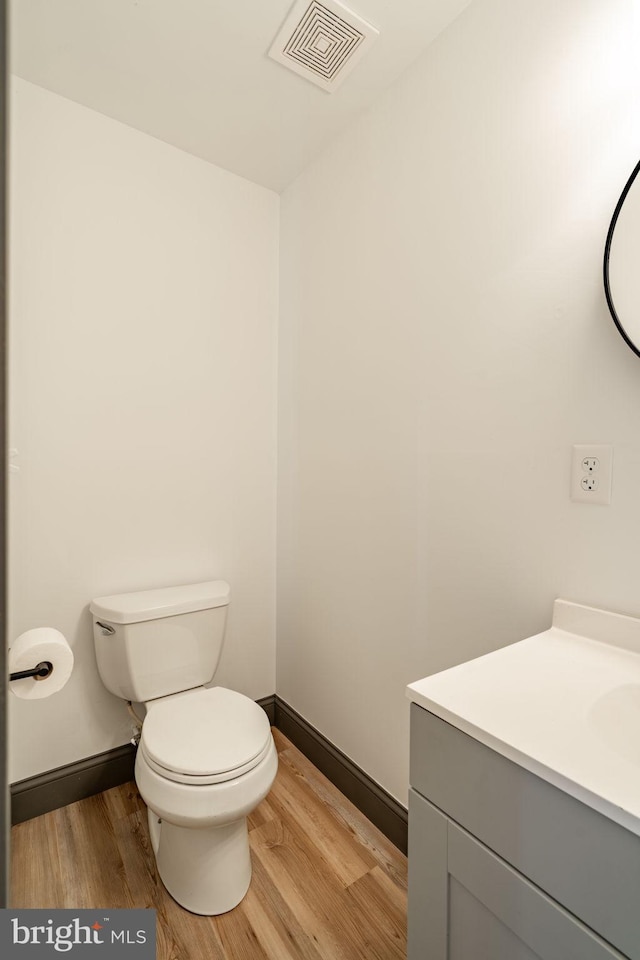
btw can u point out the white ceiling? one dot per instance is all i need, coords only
(195, 73)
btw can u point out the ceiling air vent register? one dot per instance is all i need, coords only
(322, 42)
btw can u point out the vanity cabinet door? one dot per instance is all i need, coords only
(584, 861)
(465, 903)
(428, 881)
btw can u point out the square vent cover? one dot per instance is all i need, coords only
(322, 42)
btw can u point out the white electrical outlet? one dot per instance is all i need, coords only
(591, 473)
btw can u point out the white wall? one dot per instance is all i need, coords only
(143, 366)
(444, 341)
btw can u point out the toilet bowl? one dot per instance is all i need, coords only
(206, 756)
(197, 813)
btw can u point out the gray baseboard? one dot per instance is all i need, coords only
(268, 704)
(75, 781)
(84, 778)
(369, 797)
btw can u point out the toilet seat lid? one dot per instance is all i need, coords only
(208, 732)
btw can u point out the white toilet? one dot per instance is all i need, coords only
(206, 756)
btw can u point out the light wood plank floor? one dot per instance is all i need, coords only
(327, 885)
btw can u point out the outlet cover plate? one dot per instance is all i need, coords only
(591, 473)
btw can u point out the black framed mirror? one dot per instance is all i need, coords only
(622, 263)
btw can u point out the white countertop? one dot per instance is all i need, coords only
(564, 704)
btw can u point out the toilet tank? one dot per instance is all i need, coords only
(159, 642)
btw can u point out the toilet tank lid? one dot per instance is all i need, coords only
(155, 604)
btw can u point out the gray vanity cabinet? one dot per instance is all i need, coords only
(504, 866)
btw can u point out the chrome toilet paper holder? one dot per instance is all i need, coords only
(41, 671)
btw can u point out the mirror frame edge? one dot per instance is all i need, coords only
(607, 252)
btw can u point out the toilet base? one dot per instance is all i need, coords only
(206, 871)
